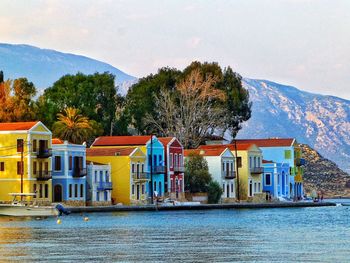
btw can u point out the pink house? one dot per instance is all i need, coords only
(174, 162)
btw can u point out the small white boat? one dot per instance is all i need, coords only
(22, 208)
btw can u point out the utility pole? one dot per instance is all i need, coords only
(238, 186)
(151, 170)
(21, 148)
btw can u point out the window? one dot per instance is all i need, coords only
(258, 164)
(46, 192)
(160, 160)
(223, 188)
(95, 176)
(175, 160)
(82, 190)
(142, 168)
(19, 145)
(259, 187)
(149, 160)
(75, 190)
(250, 162)
(34, 167)
(34, 189)
(287, 154)
(254, 161)
(19, 167)
(57, 163)
(132, 168)
(101, 176)
(2, 166)
(239, 162)
(70, 190)
(40, 191)
(143, 189)
(133, 189)
(223, 166)
(106, 195)
(171, 160)
(267, 179)
(160, 188)
(46, 166)
(107, 176)
(97, 196)
(155, 186)
(231, 166)
(231, 188)
(70, 162)
(34, 145)
(180, 160)
(255, 188)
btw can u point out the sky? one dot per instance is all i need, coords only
(303, 43)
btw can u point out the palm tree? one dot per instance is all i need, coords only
(72, 126)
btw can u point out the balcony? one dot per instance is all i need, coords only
(256, 170)
(43, 175)
(140, 176)
(44, 153)
(79, 172)
(300, 161)
(103, 186)
(158, 169)
(179, 169)
(228, 175)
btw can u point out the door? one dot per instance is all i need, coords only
(57, 196)
(228, 191)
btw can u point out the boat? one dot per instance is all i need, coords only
(22, 208)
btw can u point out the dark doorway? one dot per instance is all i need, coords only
(57, 196)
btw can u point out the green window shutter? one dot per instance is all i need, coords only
(287, 154)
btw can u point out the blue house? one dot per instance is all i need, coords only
(68, 172)
(275, 179)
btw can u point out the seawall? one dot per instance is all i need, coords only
(118, 208)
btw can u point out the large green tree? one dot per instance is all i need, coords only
(94, 95)
(197, 173)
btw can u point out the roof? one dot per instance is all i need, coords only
(17, 126)
(232, 147)
(109, 151)
(205, 152)
(165, 140)
(121, 140)
(271, 142)
(57, 141)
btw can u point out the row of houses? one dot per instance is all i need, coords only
(132, 169)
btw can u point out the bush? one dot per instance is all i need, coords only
(214, 192)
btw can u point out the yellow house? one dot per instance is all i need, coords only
(249, 165)
(129, 179)
(25, 161)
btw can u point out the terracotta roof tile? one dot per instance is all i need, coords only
(165, 140)
(109, 151)
(121, 140)
(232, 147)
(273, 142)
(57, 141)
(17, 126)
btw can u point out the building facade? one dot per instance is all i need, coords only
(68, 173)
(25, 161)
(276, 179)
(174, 164)
(98, 184)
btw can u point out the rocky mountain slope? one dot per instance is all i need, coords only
(44, 66)
(323, 122)
(321, 174)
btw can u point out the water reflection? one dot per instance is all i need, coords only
(266, 235)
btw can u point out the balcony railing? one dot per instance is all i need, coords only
(229, 174)
(140, 176)
(79, 172)
(158, 169)
(44, 153)
(256, 170)
(43, 175)
(300, 162)
(179, 169)
(102, 186)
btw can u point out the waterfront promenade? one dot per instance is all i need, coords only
(120, 208)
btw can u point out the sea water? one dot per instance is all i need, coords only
(318, 234)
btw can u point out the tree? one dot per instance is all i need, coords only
(197, 174)
(16, 99)
(73, 127)
(214, 192)
(94, 95)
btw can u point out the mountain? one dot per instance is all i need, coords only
(44, 66)
(321, 174)
(323, 122)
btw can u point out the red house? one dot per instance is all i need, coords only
(174, 162)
